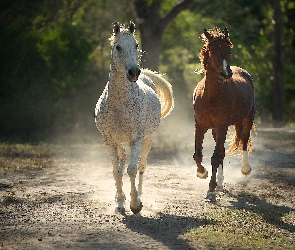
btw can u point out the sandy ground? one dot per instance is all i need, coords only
(67, 201)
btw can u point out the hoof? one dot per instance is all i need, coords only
(203, 175)
(211, 196)
(137, 209)
(246, 173)
(220, 189)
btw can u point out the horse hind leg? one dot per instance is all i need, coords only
(246, 140)
(242, 135)
(246, 168)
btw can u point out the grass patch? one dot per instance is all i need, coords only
(239, 229)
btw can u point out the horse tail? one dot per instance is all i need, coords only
(164, 91)
(237, 143)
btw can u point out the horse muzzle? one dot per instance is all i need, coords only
(133, 74)
(226, 72)
(225, 75)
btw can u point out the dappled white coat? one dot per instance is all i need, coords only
(129, 110)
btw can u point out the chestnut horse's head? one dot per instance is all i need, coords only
(124, 51)
(215, 53)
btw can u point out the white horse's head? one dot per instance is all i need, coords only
(124, 51)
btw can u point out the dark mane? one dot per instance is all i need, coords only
(215, 34)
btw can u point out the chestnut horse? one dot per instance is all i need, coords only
(224, 97)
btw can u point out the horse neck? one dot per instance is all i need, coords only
(213, 84)
(119, 85)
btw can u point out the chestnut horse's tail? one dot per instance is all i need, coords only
(236, 141)
(164, 91)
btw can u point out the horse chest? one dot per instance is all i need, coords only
(123, 118)
(208, 115)
(218, 112)
(211, 112)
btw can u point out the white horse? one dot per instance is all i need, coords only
(129, 110)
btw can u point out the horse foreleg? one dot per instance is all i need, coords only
(217, 162)
(202, 173)
(146, 146)
(118, 157)
(220, 176)
(135, 203)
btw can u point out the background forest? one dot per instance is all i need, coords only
(55, 57)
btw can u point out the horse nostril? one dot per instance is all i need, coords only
(131, 72)
(230, 73)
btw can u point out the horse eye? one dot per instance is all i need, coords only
(118, 47)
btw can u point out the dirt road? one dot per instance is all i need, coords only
(62, 197)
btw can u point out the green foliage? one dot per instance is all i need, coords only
(42, 70)
(251, 30)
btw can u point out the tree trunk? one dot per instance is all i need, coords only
(151, 45)
(278, 104)
(151, 26)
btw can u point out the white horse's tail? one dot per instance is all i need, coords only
(164, 91)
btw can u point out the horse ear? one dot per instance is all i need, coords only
(116, 28)
(131, 27)
(226, 34)
(207, 35)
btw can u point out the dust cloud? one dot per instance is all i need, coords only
(170, 172)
